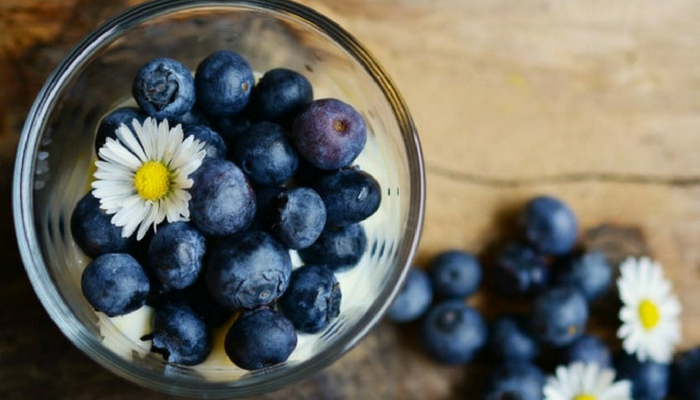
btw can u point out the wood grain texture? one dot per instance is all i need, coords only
(596, 102)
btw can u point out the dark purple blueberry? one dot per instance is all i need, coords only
(312, 299)
(413, 300)
(329, 134)
(93, 232)
(350, 195)
(299, 218)
(453, 332)
(519, 269)
(265, 154)
(455, 274)
(260, 338)
(510, 340)
(115, 284)
(340, 249)
(248, 270)
(112, 121)
(587, 349)
(650, 380)
(164, 88)
(589, 272)
(686, 373)
(515, 381)
(223, 202)
(559, 316)
(213, 142)
(550, 225)
(223, 83)
(180, 335)
(176, 253)
(266, 207)
(280, 95)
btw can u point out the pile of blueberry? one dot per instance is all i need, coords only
(546, 274)
(277, 178)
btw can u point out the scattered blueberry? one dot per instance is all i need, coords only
(559, 316)
(587, 349)
(520, 269)
(338, 248)
(299, 217)
(115, 284)
(510, 341)
(113, 120)
(455, 274)
(280, 95)
(223, 202)
(453, 332)
(589, 272)
(164, 88)
(515, 381)
(248, 270)
(223, 82)
(350, 195)
(260, 338)
(93, 230)
(180, 335)
(550, 225)
(176, 253)
(312, 299)
(686, 374)
(330, 134)
(650, 380)
(414, 299)
(265, 154)
(214, 144)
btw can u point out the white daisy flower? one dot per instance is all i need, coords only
(650, 311)
(586, 382)
(143, 177)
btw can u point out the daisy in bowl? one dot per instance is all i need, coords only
(143, 176)
(588, 381)
(650, 312)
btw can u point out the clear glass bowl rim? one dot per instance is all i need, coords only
(37, 271)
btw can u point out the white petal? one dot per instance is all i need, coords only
(127, 137)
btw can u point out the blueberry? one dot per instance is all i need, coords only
(338, 248)
(588, 272)
(650, 380)
(93, 232)
(455, 274)
(192, 117)
(686, 371)
(559, 316)
(519, 269)
(164, 88)
(280, 95)
(510, 341)
(223, 83)
(180, 335)
(204, 304)
(308, 175)
(265, 154)
(115, 284)
(214, 144)
(350, 196)
(232, 127)
(587, 349)
(453, 332)
(550, 225)
(260, 338)
(248, 270)
(266, 206)
(113, 120)
(414, 299)
(515, 381)
(312, 300)
(223, 202)
(176, 253)
(299, 217)
(329, 133)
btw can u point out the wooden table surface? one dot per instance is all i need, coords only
(594, 101)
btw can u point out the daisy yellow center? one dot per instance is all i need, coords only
(649, 314)
(585, 397)
(152, 180)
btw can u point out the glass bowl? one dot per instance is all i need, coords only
(55, 157)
